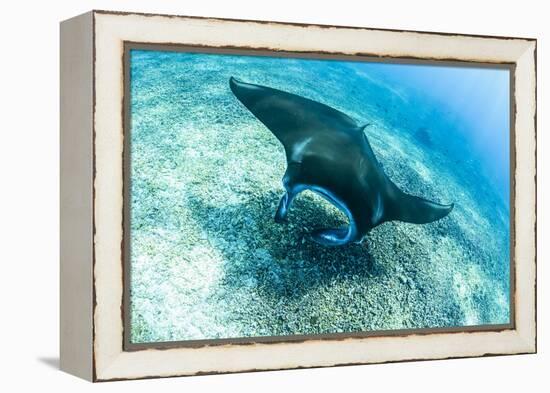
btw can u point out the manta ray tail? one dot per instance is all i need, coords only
(418, 210)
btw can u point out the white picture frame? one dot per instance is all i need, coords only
(92, 197)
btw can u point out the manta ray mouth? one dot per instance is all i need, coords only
(332, 236)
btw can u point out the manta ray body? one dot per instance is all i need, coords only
(327, 152)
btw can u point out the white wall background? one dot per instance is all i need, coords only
(29, 181)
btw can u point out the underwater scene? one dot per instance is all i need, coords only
(315, 196)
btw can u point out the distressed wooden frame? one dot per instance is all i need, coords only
(92, 203)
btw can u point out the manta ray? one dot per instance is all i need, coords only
(328, 153)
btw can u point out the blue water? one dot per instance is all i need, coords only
(208, 261)
(471, 104)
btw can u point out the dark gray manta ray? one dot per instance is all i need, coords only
(328, 153)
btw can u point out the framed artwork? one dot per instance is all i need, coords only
(245, 195)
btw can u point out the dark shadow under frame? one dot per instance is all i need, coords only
(125, 246)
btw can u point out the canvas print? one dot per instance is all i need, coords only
(275, 196)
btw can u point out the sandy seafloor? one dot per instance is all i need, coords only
(207, 259)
